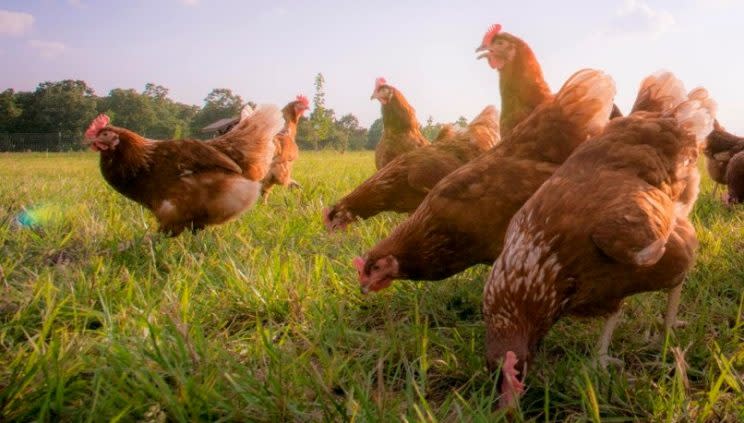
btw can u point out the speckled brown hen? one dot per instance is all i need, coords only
(457, 223)
(189, 184)
(403, 183)
(610, 223)
(401, 131)
(286, 151)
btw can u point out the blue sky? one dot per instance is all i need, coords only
(270, 51)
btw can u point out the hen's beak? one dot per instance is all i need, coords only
(485, 51)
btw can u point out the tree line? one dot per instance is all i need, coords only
(68, 106)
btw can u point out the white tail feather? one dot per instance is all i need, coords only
(266, 121)
(588, 90)
(246, 112)
(697, 114)
(483, 130)
(660, 93)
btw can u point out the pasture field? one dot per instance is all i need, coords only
(261, 319)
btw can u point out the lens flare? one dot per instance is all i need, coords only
(35, 217)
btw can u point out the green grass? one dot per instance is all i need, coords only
(261, 319)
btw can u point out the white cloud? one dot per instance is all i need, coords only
(15, 23)
(636, 17)
(48, 49)
(190, 2)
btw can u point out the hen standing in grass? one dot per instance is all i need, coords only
(189, 184)
(401, 131)
(721, 147)
(611, 222)
(286, 151)
(403, 183)
(461, 221)
(735, 179)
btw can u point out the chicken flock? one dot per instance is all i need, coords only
(576, 206)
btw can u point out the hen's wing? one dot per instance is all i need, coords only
(635, 229)
(429, 168)
(581, 109)
(289, 150)
(193, 157)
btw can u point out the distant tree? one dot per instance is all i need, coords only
(168, 122)
(462, 122)
(348, 122)
(66, 106)
(156, 92)
(305, 134)
(431, 130)
(321, 119)
(221, 103)
(25, 101)
(130, 109)
(185, 114)
(9, 110)
(186, 111)
(348, 128)
(374, 134)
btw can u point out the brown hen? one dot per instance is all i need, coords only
(720, 148)
(286, 151)
(735, 179)
(611, 222)
(189, 184)
(521, 81)
(401, 131)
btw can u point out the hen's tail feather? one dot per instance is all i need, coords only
(447, 131)
(697, 114)
(483, 130)
(246, 112)
(587, 99)
(659, 93)
(251, 142)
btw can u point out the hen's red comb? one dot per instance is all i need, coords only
(302, 99)
(380, 82)
(100, 122)
(492, 31)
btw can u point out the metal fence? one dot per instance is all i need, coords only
(55, 141)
